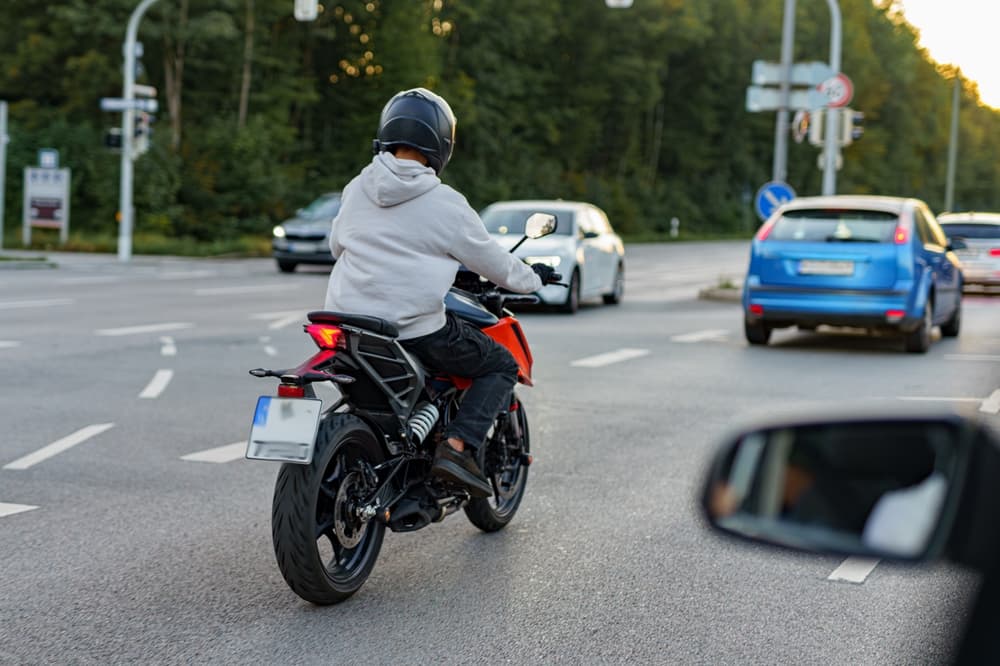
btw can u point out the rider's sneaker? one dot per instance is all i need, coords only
(459, 467)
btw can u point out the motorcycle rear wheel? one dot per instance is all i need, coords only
(504, 461)
(325, 551)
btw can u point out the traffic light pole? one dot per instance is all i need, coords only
(780, 171)
(3, 164)
(831, 149)
(128, 129)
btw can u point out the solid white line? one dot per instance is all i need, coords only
(246, 289)
(42, 303)
(146, 328)
(7, 344)
(186, 275)
(854, 569)
(972, 357)
(699, 336)
(222, 454)
(992, 404)
(157, 384)
(168, 348)
(609, 358)
(57, 447)
(11, 509)
(937, 399)
(89, 280)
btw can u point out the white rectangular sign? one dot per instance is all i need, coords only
(769, 99)
(119, 104)
(46, 201)
(802, 73)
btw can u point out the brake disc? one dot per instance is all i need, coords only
(347, 526)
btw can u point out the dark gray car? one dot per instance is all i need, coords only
(303, 238)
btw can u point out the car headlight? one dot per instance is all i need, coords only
(552, 261)
(279, 231)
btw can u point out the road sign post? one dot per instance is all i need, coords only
(3, 164)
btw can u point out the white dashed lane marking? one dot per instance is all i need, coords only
(168, 348)
(222, 454)
(611, 357)
(9, 344)
(58, 446)
(854, 570)
(701, 336)
(157, 384)
(11, 509)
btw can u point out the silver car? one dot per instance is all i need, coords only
(978, 246)
(584, 249)
(303, 239)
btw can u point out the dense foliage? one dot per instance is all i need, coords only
(640, 111)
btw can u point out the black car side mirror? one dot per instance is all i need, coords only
(957, 243)
(909, 487)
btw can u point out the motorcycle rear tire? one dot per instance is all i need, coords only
(491, 514)
(308, 499)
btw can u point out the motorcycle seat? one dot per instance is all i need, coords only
(373, 324)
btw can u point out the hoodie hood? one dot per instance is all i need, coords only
(388, 181)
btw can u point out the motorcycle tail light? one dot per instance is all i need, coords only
(291, 391)
(326, 336)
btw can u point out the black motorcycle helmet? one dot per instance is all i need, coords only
(422, 120)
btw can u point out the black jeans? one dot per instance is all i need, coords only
(461, 349)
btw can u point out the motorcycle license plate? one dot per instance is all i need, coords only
(284, 429)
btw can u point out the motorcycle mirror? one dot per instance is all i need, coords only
(539, 225)
(868, 486)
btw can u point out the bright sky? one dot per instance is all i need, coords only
(962, 33)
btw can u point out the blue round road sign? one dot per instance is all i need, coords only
(770, 196)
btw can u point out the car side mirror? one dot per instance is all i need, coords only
(539, 225)
(885, 487)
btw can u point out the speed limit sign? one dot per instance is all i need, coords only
(838, 90)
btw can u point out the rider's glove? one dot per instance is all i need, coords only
(544, 271)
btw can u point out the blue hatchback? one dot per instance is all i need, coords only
(861, 261)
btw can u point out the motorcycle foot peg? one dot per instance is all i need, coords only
(527, 459)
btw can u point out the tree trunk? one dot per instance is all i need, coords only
(247, 65)
(173, 67)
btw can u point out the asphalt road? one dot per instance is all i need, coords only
(132, 531)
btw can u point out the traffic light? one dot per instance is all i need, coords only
(851, 126)
(816, 124)
(142, 132)
(113, 139)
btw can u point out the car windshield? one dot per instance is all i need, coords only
(959, 230)
(835, 225)
(503, 221)
(325, 207)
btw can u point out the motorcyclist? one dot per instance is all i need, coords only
(398, 240)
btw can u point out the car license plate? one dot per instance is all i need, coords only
(302, 247)
(824, 267)
(284, 429)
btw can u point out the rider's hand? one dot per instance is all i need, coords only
(544, 271)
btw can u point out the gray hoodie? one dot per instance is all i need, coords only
(399, 238)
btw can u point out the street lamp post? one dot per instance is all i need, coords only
(128, 130)
(831, 147)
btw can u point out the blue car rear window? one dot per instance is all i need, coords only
(833, 226)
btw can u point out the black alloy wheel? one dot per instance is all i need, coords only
(918, 341)
(325, 544)
(618, 289)
(504, 461)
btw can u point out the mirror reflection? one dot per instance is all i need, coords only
(860, 488)
(539, 224)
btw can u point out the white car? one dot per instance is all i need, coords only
(584, 249)
(979, 250)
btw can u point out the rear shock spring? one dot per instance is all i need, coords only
(422, 421)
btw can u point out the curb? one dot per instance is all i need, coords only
(26, 264)
(720, 294)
